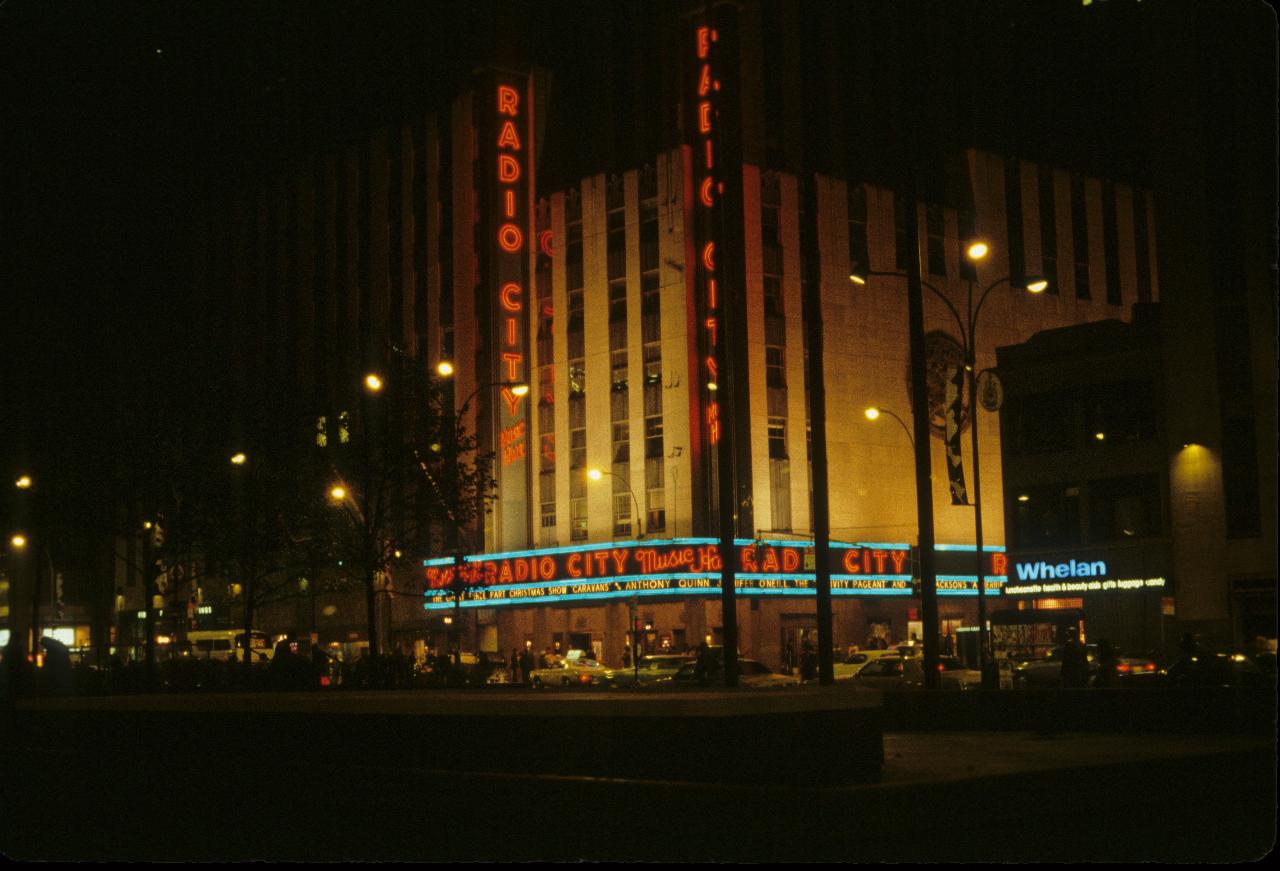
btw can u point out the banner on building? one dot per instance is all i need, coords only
(955, 408)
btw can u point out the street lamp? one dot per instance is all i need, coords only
(18, 541)
(23, 482)
(968, 328)
(337, 493)
(238, 458)
(444, 369)
(597, 474)
(373, 383)
(873, 413)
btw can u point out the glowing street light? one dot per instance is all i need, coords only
(977, 250)
(23, 482)
(238, 458)
(873, 413)
(337, 493)
(372, 383)
(18, 541)
(598, 474)
(444, 369)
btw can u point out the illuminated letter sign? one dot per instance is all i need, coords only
(708, 184)
(504, 122)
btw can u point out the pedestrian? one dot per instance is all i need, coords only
(1107, 676)
(808, 662)
(515, 666)
(1075, 663)
(702, 665)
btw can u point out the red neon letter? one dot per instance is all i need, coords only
(704, 80)
(509, 203)
(999, 564)
(544, 242)
(511, 331)
(510, 296)
(508, 168)
(704, 192)
(709, 256)
(711, 293)
(508, 99)
(851, 561)
(513, 362)
(704, 41)
(704, 117)
(510, 237)
(508, 138)
(513, 401)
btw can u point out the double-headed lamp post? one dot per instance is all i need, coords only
(975, 251)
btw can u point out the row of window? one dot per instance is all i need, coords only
(1094, 512)
(1098, 415)
(935, 247)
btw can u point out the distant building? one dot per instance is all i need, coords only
(1098, 483)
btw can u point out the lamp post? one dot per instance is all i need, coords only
(967, 325)
(873, 413)
(597, 474)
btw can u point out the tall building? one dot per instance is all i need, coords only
(486, 235)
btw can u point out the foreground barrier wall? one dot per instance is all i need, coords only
(804, 737)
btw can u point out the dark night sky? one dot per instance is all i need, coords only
(115, 116)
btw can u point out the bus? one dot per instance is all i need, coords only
(222, 644)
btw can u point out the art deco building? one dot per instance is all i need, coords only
(453, 236)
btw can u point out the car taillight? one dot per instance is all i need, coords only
(584, 678)
(324, 680)
(1123, 668)
(1150, 666)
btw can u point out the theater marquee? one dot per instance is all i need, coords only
(691, 566)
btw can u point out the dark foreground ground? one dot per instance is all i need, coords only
(955, 796)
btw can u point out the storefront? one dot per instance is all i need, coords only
(1122, 595)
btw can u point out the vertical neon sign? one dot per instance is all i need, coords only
(709, 187)
(505, 115)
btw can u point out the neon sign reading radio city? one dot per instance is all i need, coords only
(687, 566)
(709, 188)
(511, 242)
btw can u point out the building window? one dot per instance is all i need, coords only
(777, 438)
(775, 367)
(648, 235)
(653, 437)
(935, 226)
(575, 335)
(621, 442)
(617, 244)
(578, 519)
(902, 246)
(621, 514)
(857, 199)
(780, 492)
(1080, 236)
(1048, 228)
(1041, 423)
(650, 308)
(1111, 243)
(1119, 413)
(548, 524)
(656, 519)
(1013, 220)
(1045, 516)
(1124, 508)
(1141, 245)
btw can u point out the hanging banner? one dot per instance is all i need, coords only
(954, 410)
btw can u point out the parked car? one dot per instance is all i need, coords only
(1218, 669)
(750, 674)
(649, 670)
(571, 671)
(907, 673)
(1131, 671)
(852, 663)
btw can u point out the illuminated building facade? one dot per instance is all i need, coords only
(603, 293)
